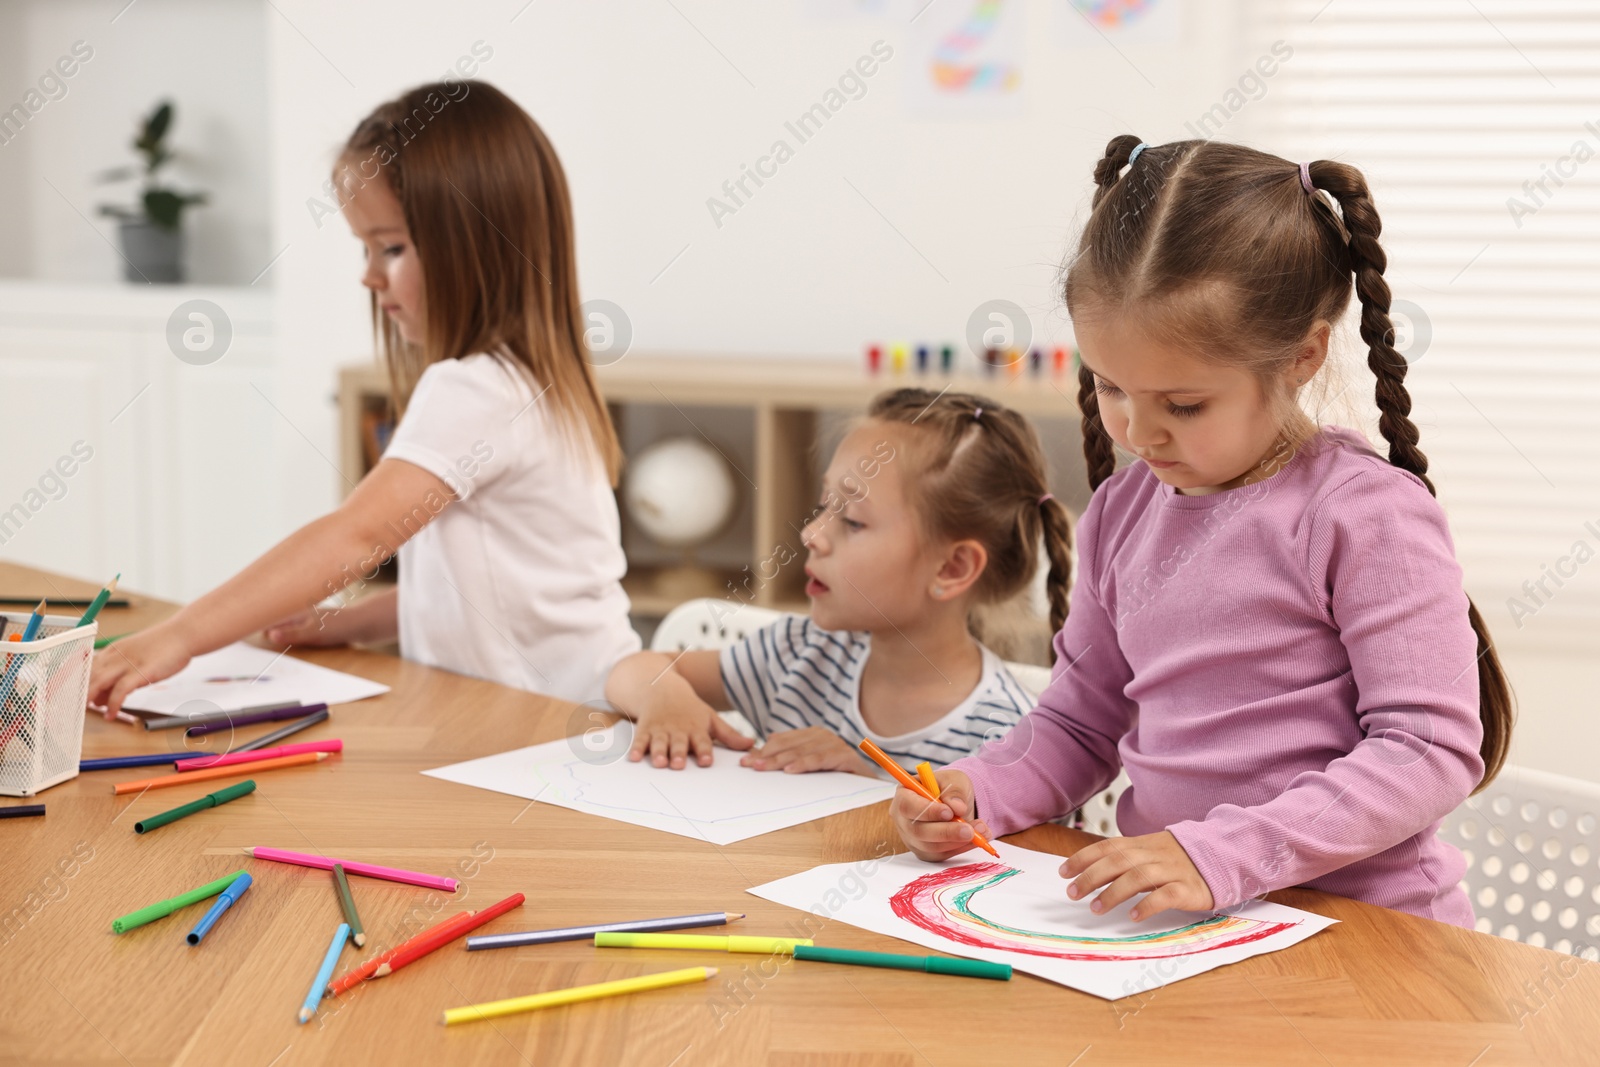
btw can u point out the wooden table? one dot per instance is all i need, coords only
(1380, 987)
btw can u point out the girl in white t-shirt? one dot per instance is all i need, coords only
(933, 505)
(496, 488)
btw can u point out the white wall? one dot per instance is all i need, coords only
(208, 57)
(650, 116)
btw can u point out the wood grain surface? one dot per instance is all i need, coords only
(1380, 987)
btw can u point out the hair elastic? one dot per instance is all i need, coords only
(1140, 147)
(1046, 499)
(1305, 179)
(977, 413)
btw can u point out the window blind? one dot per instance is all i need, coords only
(1477, 124)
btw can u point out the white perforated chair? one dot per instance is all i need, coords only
(709, 623)
(1530, 844)
(1099, 813)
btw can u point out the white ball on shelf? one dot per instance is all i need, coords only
(680, 491)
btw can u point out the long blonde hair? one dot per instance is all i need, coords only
(486, 202)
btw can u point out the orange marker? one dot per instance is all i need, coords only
(881, 758)
(925, 772)
(217, 772)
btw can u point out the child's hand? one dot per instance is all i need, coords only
(669, 735)
(815, 748)
(1152, 863)
(310, 628)
(137, 660)
(931, 829)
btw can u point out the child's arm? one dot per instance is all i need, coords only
(1394, 593)
(390, 504)
(673, 702)
(372, 618)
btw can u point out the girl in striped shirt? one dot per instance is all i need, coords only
(933, 505)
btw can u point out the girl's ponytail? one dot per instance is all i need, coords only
(1057, 531)
(1367, 261)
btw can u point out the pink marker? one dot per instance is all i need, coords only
(228, 760)
(371, 870)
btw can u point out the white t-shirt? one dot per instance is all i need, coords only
(519, 580)
(794, 674)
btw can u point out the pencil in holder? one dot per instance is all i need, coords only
(44, 686)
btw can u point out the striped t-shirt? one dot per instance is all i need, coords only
(794, 674)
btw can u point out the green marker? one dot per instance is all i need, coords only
(930, 964)
(210, 800)
(167, 907)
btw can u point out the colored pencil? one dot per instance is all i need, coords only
(149, 759)
(324, 972)
(225, 900)
(29, 632)
(18, 811)
(370, 870)
(347, 904)
(585, 933)
(737, 943)
(210, 800)
(99, 601)
(881, 758)
(185, 777)
(102, 642)
(496, 1008)
(255, 755)
(356, 975)
(285, 731)
(249, 718)
(172, 722)
(444, 937)
(928, 964)
(162, 908)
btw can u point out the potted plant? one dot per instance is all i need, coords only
(151, 233)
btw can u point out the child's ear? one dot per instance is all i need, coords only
(1313, 352)
(961, 567)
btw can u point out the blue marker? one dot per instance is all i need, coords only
(324, 973)
(225, 901)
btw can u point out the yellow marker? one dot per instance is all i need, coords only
(897, 357)
(925, 772)
(763, 945)
(496, 1008)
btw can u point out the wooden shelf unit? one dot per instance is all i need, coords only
(787, 398)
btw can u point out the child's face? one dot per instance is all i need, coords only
(1200, 427)
(393, 270)
(868, 567)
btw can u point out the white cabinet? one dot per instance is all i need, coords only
(115, 454)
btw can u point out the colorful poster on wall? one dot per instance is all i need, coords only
(1094, 23)
(966, 59)
(1017, 911)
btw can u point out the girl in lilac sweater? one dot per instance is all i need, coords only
(1268, 629)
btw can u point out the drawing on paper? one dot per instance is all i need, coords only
(954, 70)
(943, 903)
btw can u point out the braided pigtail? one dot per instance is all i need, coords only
(1098, 455)
(1368, 261)
(1057, 529)
(1495, 706)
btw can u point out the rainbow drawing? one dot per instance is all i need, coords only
(949, 71)
(941, 903)
(1112, 14)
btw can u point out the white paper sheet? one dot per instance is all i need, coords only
(243, 676)
(721, 803)
(971, 906)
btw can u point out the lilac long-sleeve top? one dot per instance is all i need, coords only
(1286, 671)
